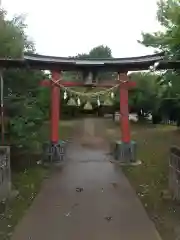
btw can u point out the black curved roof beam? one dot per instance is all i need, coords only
(169, 64)
(42, 62)
(103, 64)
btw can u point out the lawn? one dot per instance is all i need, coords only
(28, 184)
(151, 177)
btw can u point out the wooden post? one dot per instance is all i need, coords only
(54, 151)
(55, 107)
(124, 108)
(125, 150)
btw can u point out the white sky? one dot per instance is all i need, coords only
(69, 27)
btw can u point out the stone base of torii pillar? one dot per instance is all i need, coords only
(125, 152)
(54, 153)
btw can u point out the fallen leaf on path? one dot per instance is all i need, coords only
(108, 218)
(68, 214)
(114, 185)
(73, 206)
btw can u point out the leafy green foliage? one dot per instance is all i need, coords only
(24, 127)
(13, 39)
(23, 101)
(168, 40)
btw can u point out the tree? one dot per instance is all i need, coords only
(168, 40)
(95, 53)
(146, 97)
(20, 86)
(100, 52)
(13, 37)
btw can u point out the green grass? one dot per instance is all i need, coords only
(151, 177)
(28, 183)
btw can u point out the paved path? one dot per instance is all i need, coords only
(106, 208)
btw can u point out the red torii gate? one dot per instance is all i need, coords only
(125, 150)
(124, 86)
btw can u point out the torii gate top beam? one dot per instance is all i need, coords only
(72, 64)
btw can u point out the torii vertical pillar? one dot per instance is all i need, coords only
(53, 149)
(125, 150)
(55, 107)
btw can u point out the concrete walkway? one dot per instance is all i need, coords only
(89, 199)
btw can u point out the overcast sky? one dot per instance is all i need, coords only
(69, 27)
